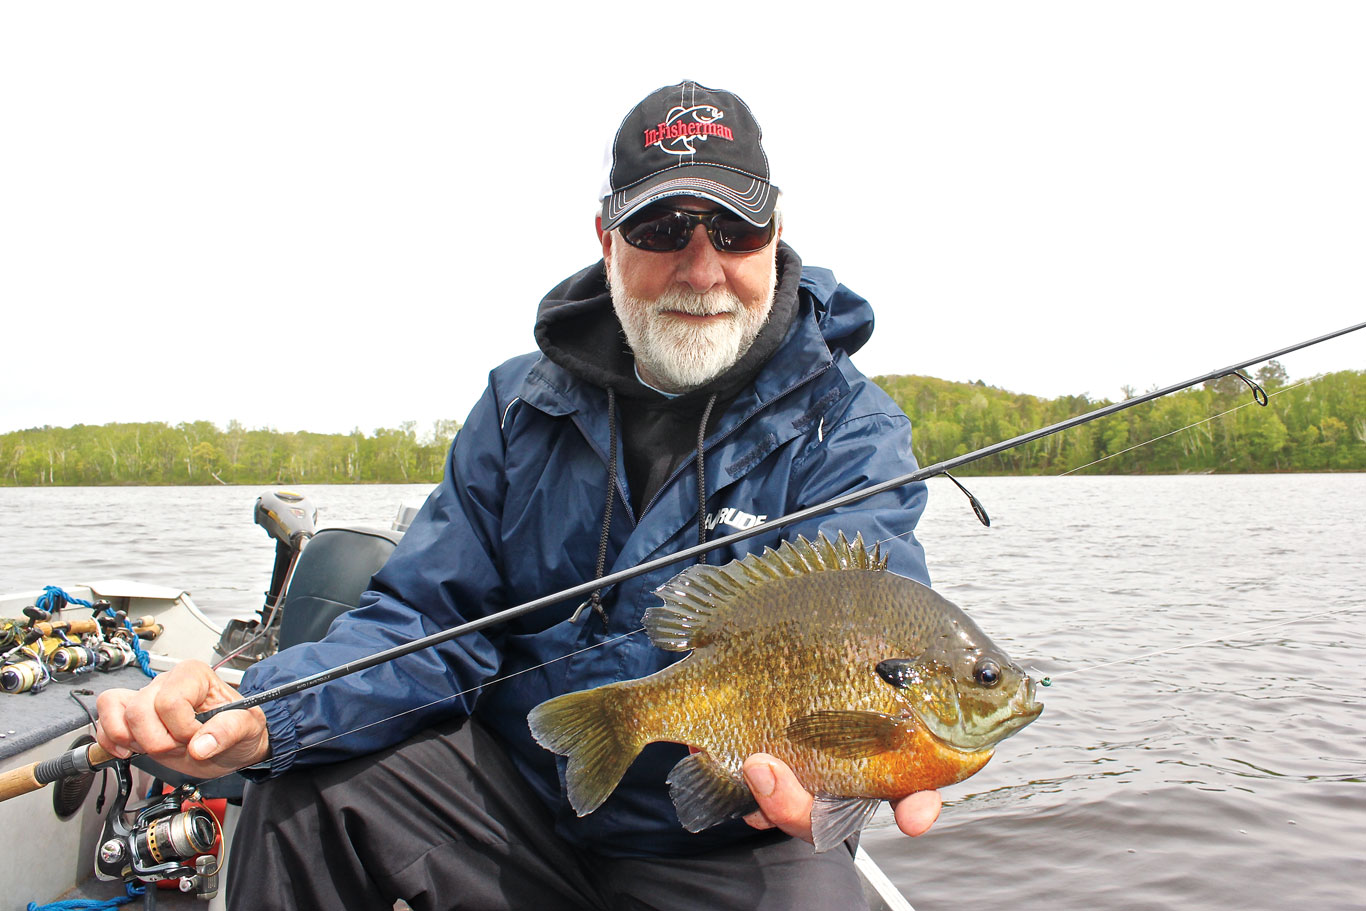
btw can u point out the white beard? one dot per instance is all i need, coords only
(676, 355)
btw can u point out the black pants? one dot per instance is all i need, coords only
(444, 821)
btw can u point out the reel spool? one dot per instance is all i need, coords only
(23, 676)
(164, 840)
(74, 659)
(114, 654)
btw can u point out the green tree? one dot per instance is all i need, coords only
(1272, 375)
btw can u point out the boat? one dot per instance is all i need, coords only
(48, 849)
(53, 834)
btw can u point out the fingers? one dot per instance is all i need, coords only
(786, 805)
(915, 813)
(159, 720)
(160, 717)
(783, 802)
(182, 692)
(111, 731)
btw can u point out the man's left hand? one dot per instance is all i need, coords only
(785, 804)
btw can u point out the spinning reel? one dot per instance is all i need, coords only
(32, 652)
(163, 839)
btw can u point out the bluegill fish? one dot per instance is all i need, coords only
(868, 684)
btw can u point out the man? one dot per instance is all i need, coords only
(730, 400)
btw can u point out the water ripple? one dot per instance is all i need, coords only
(1226, 775)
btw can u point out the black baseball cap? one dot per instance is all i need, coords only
(689, 140)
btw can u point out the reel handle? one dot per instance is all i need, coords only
(73, 762)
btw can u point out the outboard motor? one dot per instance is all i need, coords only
(291, 519)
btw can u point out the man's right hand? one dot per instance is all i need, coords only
(159, 721)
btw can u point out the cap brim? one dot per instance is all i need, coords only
(749, 197)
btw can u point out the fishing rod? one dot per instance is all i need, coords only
(83, 759)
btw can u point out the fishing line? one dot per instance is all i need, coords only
(487, 683)
(1207, 420)
(1048, 681)
(980, 511)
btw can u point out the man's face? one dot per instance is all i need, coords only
(689, 315)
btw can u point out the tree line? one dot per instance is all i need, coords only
(201, 453)
(1313, 425)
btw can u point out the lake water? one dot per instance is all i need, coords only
(1224, 775)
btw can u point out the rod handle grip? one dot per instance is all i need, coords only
(35, 775)
(18, 781)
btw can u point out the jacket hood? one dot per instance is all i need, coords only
(844, 318)
(577, 328)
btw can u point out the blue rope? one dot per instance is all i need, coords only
(144, 659)
(89, 904)
(52, 595)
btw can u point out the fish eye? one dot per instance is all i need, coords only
(986, 672)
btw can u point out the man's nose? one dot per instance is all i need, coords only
(699, 266)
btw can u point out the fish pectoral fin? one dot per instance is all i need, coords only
(833, 819)
(846, 735)
(705, 794)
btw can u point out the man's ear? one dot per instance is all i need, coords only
(604, 238)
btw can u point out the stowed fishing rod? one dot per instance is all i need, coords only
(84, 758)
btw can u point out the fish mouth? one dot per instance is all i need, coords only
(1024, 702)
(1014, 715)
(1024, 709)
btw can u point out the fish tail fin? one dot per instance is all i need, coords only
(598, 732)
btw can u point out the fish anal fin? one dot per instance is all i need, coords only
(705, 794)
(833, 819)
(847, 735)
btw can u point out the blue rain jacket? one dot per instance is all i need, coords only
(518, 516)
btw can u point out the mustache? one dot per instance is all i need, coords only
(707, 303)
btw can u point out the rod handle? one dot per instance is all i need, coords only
(35, 775)
(19, 781)
(79, 627)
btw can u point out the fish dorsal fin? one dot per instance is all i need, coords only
(694, 598)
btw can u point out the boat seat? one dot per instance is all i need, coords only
(333, 571)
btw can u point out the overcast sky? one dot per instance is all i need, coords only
(324, 216)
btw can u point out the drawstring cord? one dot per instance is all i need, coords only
(702, 479)
(595, 600)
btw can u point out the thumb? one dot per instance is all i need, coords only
(233, 736)
(783, 802)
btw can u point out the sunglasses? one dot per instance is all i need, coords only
(660, 229)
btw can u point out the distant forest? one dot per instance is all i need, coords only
(1310, 425)
(1313, 425)
(200, 453)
